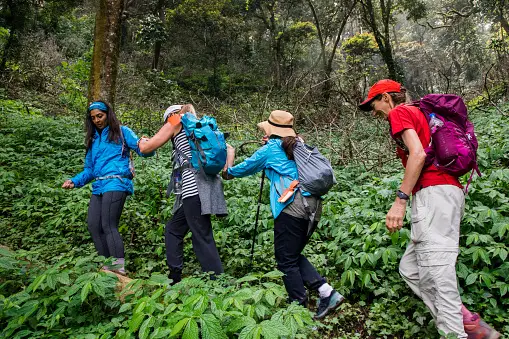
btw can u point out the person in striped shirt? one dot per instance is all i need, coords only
(188, 203)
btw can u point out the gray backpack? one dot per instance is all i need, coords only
(316, 175)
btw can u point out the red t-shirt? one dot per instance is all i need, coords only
(404, 117)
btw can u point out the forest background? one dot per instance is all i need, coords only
(237, 60)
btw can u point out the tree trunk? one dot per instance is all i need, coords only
(504, 24)
(104, 68)
(382, 39)
(157, 54)
(390, 62)
(160, 12)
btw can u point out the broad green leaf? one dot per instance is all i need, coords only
(169, 309)
(472, 277)
(274, 329)
(191, 330)
(136, 321)
(158, 279)
(270, 297)
(503, 254)
(63, 278)
(37, 282)
(51, 281)
(98, 288)
(274, 275)
(239, 323)
(85, 290)
(258, 295)
(179, 326)
(160, 333)
(246, 279)
(145, 327)
(211, 327)
(247, 332)
(125, 307)
(140, 307)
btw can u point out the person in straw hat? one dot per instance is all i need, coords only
(291, 221)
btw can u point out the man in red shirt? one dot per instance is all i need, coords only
(429, 263)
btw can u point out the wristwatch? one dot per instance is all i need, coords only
(402, 195)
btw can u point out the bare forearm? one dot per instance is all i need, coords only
(230, 159)
(147, 146)
(165, 133)
(413, 170)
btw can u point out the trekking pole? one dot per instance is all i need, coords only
(256, 220)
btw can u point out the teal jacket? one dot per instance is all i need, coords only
(105, 159)
(280, 171)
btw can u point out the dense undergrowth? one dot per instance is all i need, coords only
(51, 286)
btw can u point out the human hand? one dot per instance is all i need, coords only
(143, 139)
(395, 216)
(68, 184)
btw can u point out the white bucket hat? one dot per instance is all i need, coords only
(170, 110)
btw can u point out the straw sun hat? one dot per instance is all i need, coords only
(279, 123)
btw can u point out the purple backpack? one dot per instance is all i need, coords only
(453, 147)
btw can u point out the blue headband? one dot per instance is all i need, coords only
(98, 105)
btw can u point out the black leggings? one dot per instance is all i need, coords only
(291, 235)
(189, 218)
(103, 217)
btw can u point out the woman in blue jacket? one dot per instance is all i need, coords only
(107, 162)
(291, 221)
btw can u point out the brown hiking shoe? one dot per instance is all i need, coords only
(479, 329)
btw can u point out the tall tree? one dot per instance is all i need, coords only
(377, 15)
(15, 16)
(160, 13)
(104, 68)
(330, 21)
(282, 21)
(22, 16)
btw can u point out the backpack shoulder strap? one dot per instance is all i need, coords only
(123, 140)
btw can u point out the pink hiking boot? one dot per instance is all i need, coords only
(476, 328)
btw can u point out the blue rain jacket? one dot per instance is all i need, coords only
(105, 158)
(280, 171)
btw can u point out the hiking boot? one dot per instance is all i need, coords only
(328, 304)
(175, 276)
(479, 329)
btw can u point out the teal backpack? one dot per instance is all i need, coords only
(208, 145)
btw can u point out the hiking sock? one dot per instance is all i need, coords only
(467, 315)
(325, 290)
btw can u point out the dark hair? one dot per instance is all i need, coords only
(113, 123)
(397, 97)
(288, 146)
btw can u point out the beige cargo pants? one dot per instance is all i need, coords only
(429, 263)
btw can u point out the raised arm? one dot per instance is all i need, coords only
(166, 132)
(251, 165)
